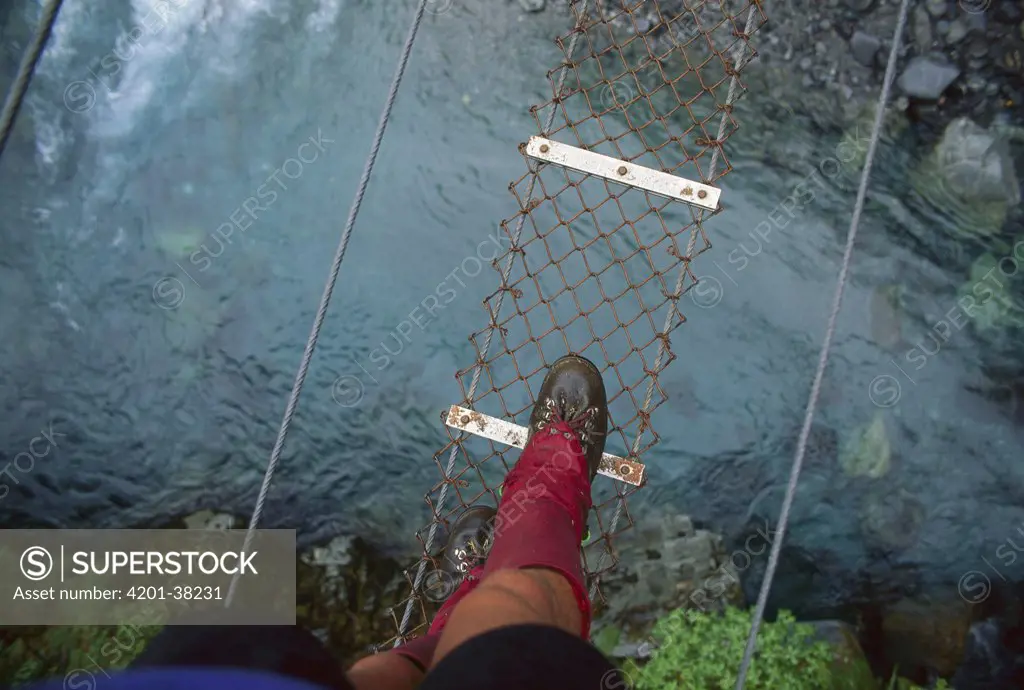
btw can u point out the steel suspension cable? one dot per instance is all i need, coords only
(819, 374)
(325, 299)
(29, 62)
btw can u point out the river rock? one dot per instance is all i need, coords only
(864, 48)
(180, 242)
(867, 452)
(955, 31)
(994, 307)
(970, 177)
(936, 8)
(886, 316)
(860, 5)
(923, 635)
(927, 77)
(977, 162)
(207, 519)
(1009, 12)
(350, 594)
(891, 518)
(663, 567)
(921, 30)
(532, 5)
(333, 556)
(849, 661)
(1009, 56)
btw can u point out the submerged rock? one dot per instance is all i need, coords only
(891, 518)
(852, 149)
(976, 163)
(180, 242)
(887, 316)
(987, 299)
(867, 453)
(970, 176)
(533, 5)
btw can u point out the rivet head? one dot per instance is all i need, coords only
(701, 194)
(622, 170)
(625, 470)
(544, 148)
(465, 419)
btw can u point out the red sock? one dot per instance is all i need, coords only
(543, 509)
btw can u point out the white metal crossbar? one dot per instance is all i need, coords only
(502, 431)
(630, 174)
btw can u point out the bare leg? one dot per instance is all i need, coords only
(512, 597)
(387, 671)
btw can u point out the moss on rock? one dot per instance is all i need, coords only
(867, 453)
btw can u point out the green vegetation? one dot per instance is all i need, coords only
(696, 651)
(32, 654)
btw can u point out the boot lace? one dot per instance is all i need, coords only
(471, 554)
(582, 424)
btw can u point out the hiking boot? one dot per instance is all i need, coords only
(468, 542)
(466, 548)
(573, 392)
(546, 497)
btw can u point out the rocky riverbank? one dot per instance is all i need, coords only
(826, 58)
(957, 59)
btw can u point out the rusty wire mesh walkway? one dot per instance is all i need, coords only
(595, 267)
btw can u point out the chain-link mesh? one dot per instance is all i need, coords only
(595, 267)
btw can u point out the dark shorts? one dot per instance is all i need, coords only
(521, 656)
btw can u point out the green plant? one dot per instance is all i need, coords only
(703, 652)
(897, 683)
(60, 651)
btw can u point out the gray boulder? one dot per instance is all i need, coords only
(864, 47)
(927, 77)
(669, 564)
(956, 31)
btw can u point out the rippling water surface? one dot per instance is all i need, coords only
(165, 355)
